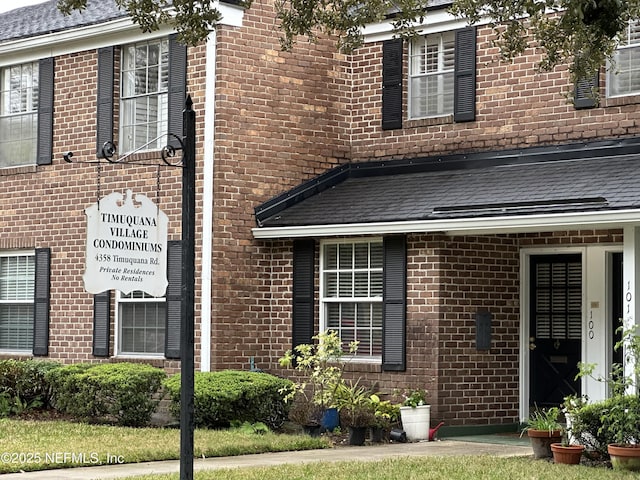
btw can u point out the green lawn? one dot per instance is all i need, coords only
(427, 468)
(37, 445)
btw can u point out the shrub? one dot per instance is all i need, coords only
(594, 425)
(120, 392)
(23, 385)
(230, 396)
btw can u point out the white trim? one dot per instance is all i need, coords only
(117, 331)
(207, 204)
(359, 358)
(481, 225)
(77, 39)
(435, 22)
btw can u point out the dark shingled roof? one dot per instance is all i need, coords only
(577, 179)
(44, 18)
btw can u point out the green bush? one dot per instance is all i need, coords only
(594, 425)
(230, 396)
(120, 392)
(23, 385)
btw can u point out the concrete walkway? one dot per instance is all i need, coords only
(367, 453)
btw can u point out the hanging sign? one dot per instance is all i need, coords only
(126, 245)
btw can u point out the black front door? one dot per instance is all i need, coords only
(555, 334)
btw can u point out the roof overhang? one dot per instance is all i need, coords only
(464, 226)
(117, 31)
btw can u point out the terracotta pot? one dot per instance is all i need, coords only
(541, 441)
(567, 454)
(624, 456)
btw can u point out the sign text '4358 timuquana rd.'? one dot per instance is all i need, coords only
(126, 245)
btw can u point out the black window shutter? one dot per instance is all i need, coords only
(173, 300)
(392, 51)
(586, 92)
(394, 304)
(41, 302)
(45, 111)
(464, 84)
(303, 291)
(104, 121)
(101, 324)
(177, 87)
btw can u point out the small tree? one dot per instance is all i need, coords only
(320, 366)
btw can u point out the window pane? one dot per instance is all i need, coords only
(142, 327)
(432, 63)
(16, 302)
(354, 271)
(144, 102)
(16, 278)
(18, 114)
(16, 326)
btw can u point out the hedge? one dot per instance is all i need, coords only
(230, 396)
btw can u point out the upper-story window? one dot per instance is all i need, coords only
(351, 293)
(431, 75)
(141, 320)
(624, 74)
(17, 274)
(18, 114)
(144, 99)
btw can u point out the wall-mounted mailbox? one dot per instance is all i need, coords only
(483, 330)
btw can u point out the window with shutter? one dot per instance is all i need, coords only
(19, 102)
(17, 288)
(442, 75)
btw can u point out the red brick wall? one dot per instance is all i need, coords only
(449, 279)
(516, 106)
(281, 119)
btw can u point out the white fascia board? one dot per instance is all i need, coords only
(435, 21)
(116, 32)
(464, 226)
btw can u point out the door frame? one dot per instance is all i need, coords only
(596, 314)
(525, 290)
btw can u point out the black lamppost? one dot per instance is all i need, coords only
(188, 146)
(188, 287)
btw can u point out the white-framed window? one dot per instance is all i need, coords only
(141, 324)
(623, 75)
(17, 285)
(351, 293)
(144, 96)
(431, 75)
(18, 114)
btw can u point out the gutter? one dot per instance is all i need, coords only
(464, 226)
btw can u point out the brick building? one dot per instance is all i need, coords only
(471, 226)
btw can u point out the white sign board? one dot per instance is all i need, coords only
(126, 245)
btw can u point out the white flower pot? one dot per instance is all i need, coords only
(416, 422)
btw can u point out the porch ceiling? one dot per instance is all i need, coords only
(583, 186)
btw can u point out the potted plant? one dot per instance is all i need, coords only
(543, 429)
(567, 452)
(415, 414)
(386, 415)
(620, 414)
(356, 411)
(320, 367)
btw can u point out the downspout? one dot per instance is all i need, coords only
(207, 204)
